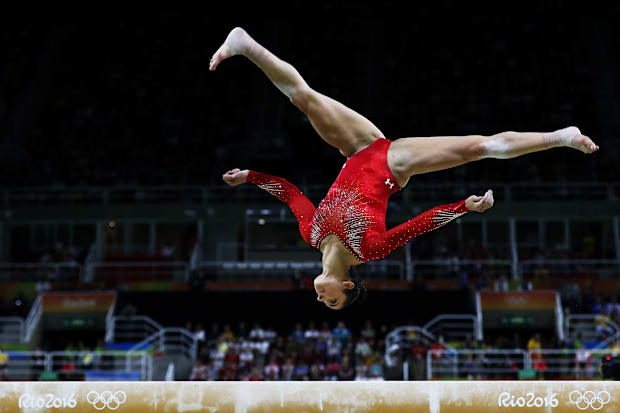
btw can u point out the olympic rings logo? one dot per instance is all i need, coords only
(589, 399)
(106, 399)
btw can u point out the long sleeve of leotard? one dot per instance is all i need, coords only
(289, 194)
(381, 245)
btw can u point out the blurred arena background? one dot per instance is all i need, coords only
(125, 257)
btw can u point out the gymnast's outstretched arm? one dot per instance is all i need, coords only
(281, 189)
(382, 245)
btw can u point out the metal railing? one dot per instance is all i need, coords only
(403, 338)
(167, 270)
(601, 268)
(240, 270)
(509, 364)
(157, 195)
(111, 365)
(145, 333)
(449, 326)
(24, 365)
(591, 327)
(39, 271)
(475, 364)
(568, 364)
(169, 372)
(441, 268)
(94, 365)
(44, 196)
(131, 329)
(253, 270)
(33, 319)
(11, 329)
(455, 327)
(171, 340)
(109, 322)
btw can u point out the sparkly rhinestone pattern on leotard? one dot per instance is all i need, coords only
(355, 206)
(345, 213)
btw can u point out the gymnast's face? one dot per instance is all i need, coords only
(330, 291)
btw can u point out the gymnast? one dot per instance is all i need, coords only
(348, 227)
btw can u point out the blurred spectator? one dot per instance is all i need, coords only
(311, 333)
(257, 332)
(325, 333)
(361, 371)
(332, 370)
(167, 251)
(298, 334)
(539, 364)
(288, 369)
(256, 374)
(228, 372)
(418, 352)
(438, 348)
(4, 361)
(342, 332)
(227, 334)
(368, 332)
(246, 358)
(272, 370)
(241, 331)
(201, 371)
(376, 370)
(362, 349)
(301, 371)
(534, 343)
(200, 333)
(346, 371)
(214, 335)
(270, 334)
(334, 348)
(583, 358)
(317, 372)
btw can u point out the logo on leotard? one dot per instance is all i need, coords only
(389, 183)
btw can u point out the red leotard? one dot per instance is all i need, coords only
(355, 206)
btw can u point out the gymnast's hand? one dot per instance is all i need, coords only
(480, 203)
(235, 177)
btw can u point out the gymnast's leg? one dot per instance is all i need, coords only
(411, 156)
(338, 125)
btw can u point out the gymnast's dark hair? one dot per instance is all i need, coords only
(357, 294)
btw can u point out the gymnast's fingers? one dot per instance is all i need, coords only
(490, 200)
(487, 201)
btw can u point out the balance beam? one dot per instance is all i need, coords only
(264, 397)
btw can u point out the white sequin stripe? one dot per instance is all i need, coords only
(273, 187)
(356, 224)
(443, 216)
(343, 243)
(347, 208)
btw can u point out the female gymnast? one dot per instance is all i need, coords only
(348, 227)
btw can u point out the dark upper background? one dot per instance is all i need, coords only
(111, 97)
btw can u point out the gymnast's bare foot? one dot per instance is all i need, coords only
(571, 137)
(584, 144)
(237, 42)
